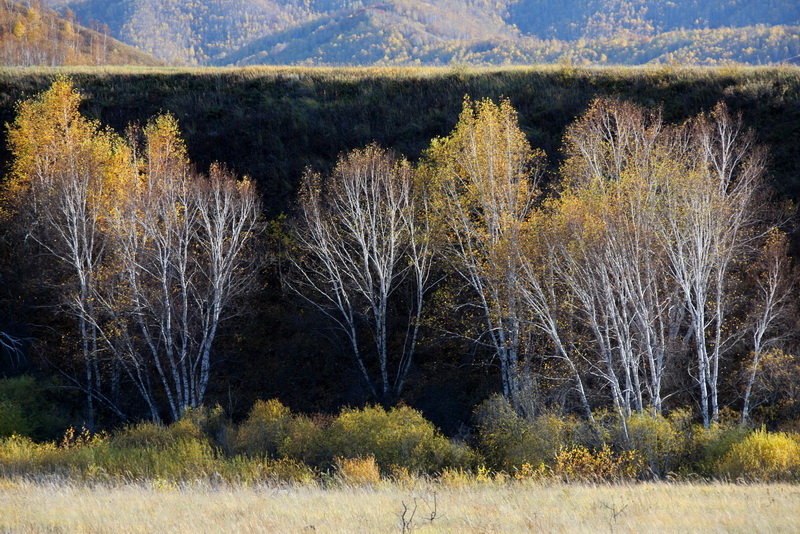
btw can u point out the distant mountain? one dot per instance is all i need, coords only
(31, 34)
(390, 33)
(192, 31)
(570, 20)
(408, 32)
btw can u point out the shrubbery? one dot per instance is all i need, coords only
(264, 430)
(603, 465)
(399, 437)
(360, 446)
(762, 456)
(26, 409)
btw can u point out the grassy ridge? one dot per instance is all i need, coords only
(272, 122)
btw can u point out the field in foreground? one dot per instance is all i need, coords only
(488, 507)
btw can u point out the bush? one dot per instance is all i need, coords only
(657, 440)
(763, 457)
(504, 438)
(26, 409)
(179, 451)
(400, 437)
(264, 431)
(303, 441)
(156, 436)
(12, 420)
(212, 422)
(357, 471)
(603, 465)
(710, 445)
(509, 442)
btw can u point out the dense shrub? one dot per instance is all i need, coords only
(658, 441)
(212, 422)
(149, 450)
(264, 431)
(304, 441)
(359, 445)
(504, 438)
(603, 465)
(710, 445)
(400, 437)
(12, 420)
(762, 456)
(508, 442)
(147, 435)
(26, 409)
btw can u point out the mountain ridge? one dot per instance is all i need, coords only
(481, 32)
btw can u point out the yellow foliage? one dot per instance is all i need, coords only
(358, 471)
(581, 464)
(764, 457)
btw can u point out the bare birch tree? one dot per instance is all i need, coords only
(775, 284)
(183, 250)
(612, 259)
(709, 218)
(155, 255)
(359, 234)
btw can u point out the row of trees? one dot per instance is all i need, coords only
(653, 258)
(650, 271)
(147, 255)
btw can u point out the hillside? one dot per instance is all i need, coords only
(31, 34)
(407, 32)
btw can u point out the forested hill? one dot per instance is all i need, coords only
(404, 32)
(31, 34)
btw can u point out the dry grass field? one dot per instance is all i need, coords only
(472, 507)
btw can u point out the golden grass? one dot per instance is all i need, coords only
(476, 507)
(398, 72)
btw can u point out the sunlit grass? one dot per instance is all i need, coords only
(475, 507)
(355, 73)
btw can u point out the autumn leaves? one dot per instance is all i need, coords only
(149, 254)
(649, 261)
(608, 289)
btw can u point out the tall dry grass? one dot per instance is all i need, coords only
(475, 507)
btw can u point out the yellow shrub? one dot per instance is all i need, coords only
(358, 471)
(264, 430)
(581, 464)
(398, 437)
(763, 456)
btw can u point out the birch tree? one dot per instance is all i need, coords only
(648, 241)
(775, 283)
(484, 177)
(155, 254)
(184, 250)
(611, 259)
(709, 219)
(360, 234)
(547, 299)
(66, 171)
